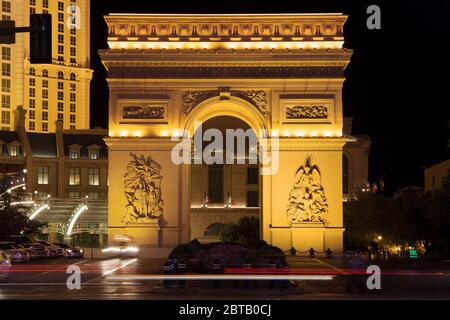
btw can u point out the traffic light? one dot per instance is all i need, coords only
(41, 38)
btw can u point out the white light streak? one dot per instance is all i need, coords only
(75, 218)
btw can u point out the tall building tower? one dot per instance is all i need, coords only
(49, 92)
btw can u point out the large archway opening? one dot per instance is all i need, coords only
(223, 192)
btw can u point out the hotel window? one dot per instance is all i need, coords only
(60, 17)
(73, 31)
(44, 126)
(60, 85)
(252, 175)
(32, 103)
(73, 107)
(6, 117)
(45, 4)
(61, 27)
(6, 101)
(215, 183)
(32, 10)
(44, 116)
(60, 95)
(32, 72)
(32, 115)
(74, 194)
(74, 176)
(42, 175)
(93, 195)
(14, 150)
(60, 6)
(72, 127)
(32, 92)
(61, 50)
(32, 82)
(73, 77)
(73, 118)
(74, 153)
(60, 38)
(60, 116)
(6, 18)
(252, 199)
(60, 75)
(73, 87)
(73, 97)
(32, 2)
(60, 106)
(73, 41)
(6, 69)
(32, 125)
(6, 6)
(44, 93)
(45, 73)
(45, 83)
(6, 53)
(94, 153)
(6, 85)
(45, 104)
(94, 176)
(73, 51)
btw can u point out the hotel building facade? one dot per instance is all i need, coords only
(48, 92)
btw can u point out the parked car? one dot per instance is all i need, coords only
(70, 251)
(30, 244)
(13, 253)
(31, 252)
(55, 251)
(5, 265)
(360, 252)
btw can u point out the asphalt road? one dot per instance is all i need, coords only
(104, 279)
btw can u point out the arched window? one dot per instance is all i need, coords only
(344, 174)
(73, 77)
(32, 71)
(60, 75)
(45, 73)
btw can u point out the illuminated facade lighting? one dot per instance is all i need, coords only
(39, 210)
(75, 218)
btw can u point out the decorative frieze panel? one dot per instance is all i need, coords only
(192, 98)
(194, 27)
(307, 112)
(307, 108)
(144, 112)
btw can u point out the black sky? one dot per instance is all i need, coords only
(397, 87)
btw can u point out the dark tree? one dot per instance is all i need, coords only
(14, 218)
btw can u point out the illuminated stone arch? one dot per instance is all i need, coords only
(233, 107)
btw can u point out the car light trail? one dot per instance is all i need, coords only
(122, 266)
(39, 210)
(75, 218)
(222, 277)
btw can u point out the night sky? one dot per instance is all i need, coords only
(398, 81)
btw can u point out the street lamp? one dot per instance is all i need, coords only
(380, 237)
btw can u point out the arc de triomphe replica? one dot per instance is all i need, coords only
(281, 74)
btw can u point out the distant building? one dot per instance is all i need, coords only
(49, 92)
(65, 170)
(435, 175)
(355, 162)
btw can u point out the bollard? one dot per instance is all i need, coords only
(328, 253)
(181, 269)
(311, 253)
(217, 269)
(293, 251)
